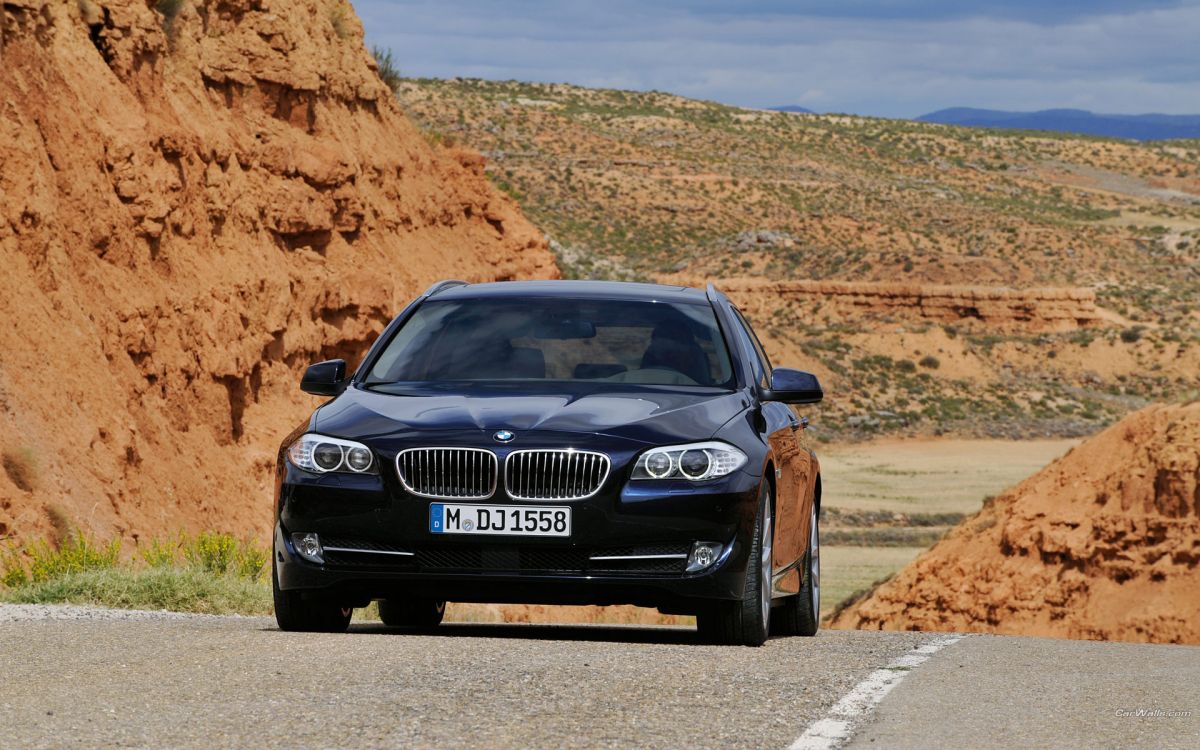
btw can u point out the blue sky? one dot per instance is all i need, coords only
(892, 58)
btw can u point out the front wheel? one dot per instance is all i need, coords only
(294, 613)
(801, 614)
(747, 622)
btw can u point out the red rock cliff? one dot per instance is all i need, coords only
(192, 209)
(1102, 544)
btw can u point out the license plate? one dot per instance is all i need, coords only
(520, 520)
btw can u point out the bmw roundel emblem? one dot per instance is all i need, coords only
(503, 436)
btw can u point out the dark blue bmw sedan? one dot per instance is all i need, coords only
(554, 442)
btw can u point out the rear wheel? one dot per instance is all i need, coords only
(800, 614)
(747, 622)
(295, 613)
(421, 614)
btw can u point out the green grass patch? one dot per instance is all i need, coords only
(211, 572)
(176, 589)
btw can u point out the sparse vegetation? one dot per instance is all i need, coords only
(210, 572)
(21, 468)
(339, 19)
(652, 186)
(389, 73)
(170, 10)
(1132, 335)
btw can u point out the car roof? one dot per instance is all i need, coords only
(612, 290)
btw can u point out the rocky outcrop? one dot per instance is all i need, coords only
(192, 207)
(1102, 544)
(993, 308)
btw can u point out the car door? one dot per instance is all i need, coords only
(793, 467)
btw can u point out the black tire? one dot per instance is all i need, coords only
(801, 614)
(747, 622)
(419, 614)
(295, 613)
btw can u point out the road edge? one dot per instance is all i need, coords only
(844, 717)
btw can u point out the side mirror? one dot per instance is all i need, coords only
(793, 387)
(325, 378)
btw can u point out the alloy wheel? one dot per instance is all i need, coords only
(767, 541)
(814, 564)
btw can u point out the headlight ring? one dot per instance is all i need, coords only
(695, 462)
(323, 454)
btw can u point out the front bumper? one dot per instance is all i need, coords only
(375, 512)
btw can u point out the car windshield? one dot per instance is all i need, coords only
(604, 341)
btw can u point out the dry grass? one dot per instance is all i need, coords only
(930, 476)
(339, 19)
(21, 468)
(889, 500)
(210, 572)
(389, 73)
(848, 571)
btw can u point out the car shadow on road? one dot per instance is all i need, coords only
(599, 633)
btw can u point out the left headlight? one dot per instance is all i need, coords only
(323, 454)
(694, 461)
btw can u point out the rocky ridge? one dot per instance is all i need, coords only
(1102, 544)
(995, 309)
(193, 206)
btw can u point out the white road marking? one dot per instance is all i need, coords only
(837, 727)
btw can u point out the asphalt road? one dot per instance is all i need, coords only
(71, 677)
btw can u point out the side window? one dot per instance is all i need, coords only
(764, 364)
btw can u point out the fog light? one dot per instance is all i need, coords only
(703, 555)
(309, 547)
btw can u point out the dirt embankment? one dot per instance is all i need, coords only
(1102, 544)
(192, 209)
(994, 309)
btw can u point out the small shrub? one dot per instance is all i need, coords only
(214, 552)
(170, 10)
(339, 19)
(930, 362)
(905, 365)
(250, 561)
(159, 554)
(1132, 335)
(20, 468)
(12, 567)
(77, 554)
(60, 521)
(224, 555)
(388, 72)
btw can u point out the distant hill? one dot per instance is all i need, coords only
(793, 108)
(798, 211)
(1150, 127)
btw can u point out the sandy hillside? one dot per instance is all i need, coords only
(191, 209)
(939, 280)
(1102, 544)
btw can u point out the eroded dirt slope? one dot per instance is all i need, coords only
(191, 210)
(1102, 544)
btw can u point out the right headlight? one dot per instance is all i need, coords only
(322, 454)
(694, 461)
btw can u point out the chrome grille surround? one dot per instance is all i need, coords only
(555, 474)
(451, 473)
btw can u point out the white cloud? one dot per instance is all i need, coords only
(887, 64)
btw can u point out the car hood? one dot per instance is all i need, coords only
(643, 415)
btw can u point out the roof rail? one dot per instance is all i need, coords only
(443, 285)
(712, 292)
